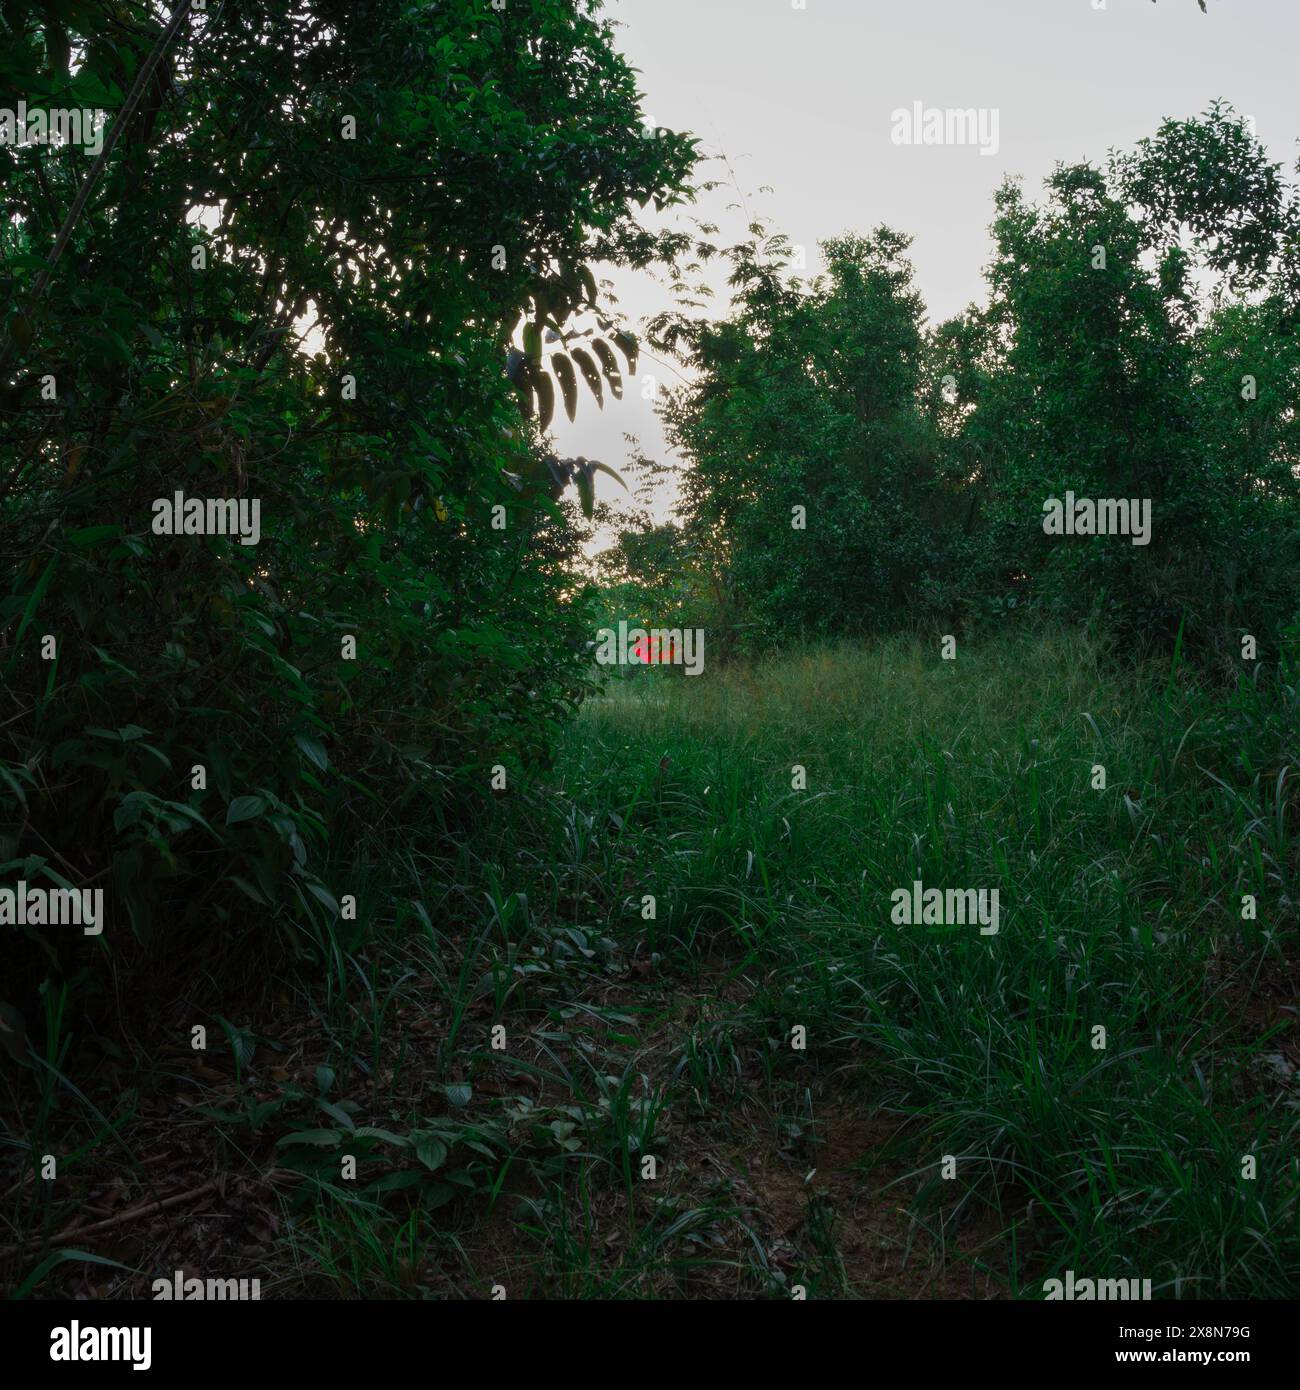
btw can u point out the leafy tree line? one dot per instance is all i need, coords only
(851, 469)
(210, 731)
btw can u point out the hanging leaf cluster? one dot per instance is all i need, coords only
(582, 472)
(555, 299)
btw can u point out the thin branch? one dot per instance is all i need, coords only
(144, 1209)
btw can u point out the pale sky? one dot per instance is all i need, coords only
(801, 99)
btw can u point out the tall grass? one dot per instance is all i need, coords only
(613, 966)
(1121, 909)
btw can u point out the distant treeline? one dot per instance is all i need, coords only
(1112, 438)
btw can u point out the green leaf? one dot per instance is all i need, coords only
(598, 467)
(564, 374)
(628, 346)
(431, 1151)
(336, 1113)
(586, 491)
(313, 749)
(588, 284)
(589, 372)
(384, 1135)
(610, 366)
(247, 889)
(12, 783)
(244, 808)
(324, 896)
(317, 1138)
(525, 389)
(533, 344)
(545, 398)
(61, 1257)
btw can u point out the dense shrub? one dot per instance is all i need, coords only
(183, 720)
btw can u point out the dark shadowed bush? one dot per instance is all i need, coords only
(207, 729)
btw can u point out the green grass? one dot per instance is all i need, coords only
(669, 1036)
(1120, 909)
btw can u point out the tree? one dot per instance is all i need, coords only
(813, 477)
(404, 182)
